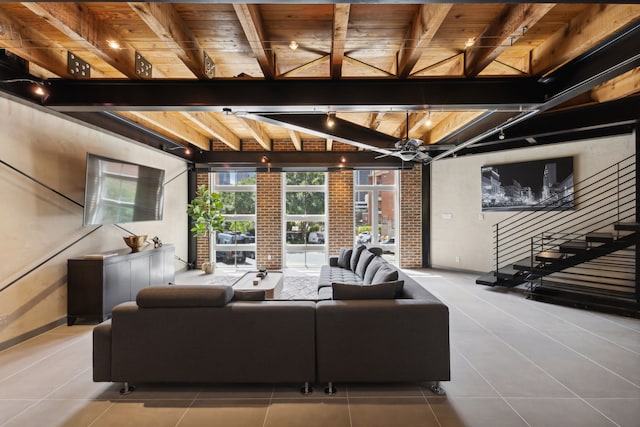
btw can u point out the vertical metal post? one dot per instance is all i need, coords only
(637, 135)
(497, 250)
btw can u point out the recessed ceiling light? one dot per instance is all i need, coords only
(293, 45)
(113, 44)
(470, 42)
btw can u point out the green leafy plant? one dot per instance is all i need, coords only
(206, 211)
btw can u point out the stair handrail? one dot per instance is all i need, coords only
(594, 206)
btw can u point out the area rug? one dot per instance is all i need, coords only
(295, 287)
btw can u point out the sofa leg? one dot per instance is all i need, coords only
(436, 388)
(330, 389)
(306, 388)
(127, 388)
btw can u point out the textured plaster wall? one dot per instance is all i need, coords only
(38, 224)
(461, 234)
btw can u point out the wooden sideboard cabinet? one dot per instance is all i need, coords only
(97, 283)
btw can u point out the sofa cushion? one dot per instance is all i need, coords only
(385, 274)
(355, 256)
(387, 290)
(372, 269)
(184, 296)
(363, 262)
(344, 259)
(249, 294)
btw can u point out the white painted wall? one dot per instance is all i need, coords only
(461, 231)
(36, 223)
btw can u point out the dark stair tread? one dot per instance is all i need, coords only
(600, 237)
(627, 226)
(589, 290)
(567, 296)
(508, 272)
(573, 246)
(549, 256)
(488, 279)
(524, 264)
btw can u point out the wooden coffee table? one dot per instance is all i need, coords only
(272, 284)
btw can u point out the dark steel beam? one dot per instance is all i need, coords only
(295, 160)
(612, 57)
(342, 130)
(307, 96)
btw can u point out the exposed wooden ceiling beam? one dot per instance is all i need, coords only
(251, 22)
(329, 144)
(208, 124)
(304, 67)
(620, 87)
(29, 44)
(339, 38)
(81, 25)
(257, 131)
(581, 33)
(166, 23)
(295, 139)
(169, 124)
(498, 34)
(424, 26)
(451, 123)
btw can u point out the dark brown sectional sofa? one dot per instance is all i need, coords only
(211, 334)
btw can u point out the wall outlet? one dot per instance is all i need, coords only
(458, 259)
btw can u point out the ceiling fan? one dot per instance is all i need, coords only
(408, 149)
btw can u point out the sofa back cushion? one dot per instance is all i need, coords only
(385, 273)
(363, 262)
(355, 256)
(372, 269)
(184, 296)
(388, 290)
(344, 258)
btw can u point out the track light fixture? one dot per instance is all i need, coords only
(265, 159)
(331, 120)
(37, 88)
(428, 123)
(501, 134)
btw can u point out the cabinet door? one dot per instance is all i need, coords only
(139, 275)
(117, 285)
(156, 268)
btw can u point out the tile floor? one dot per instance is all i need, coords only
(514, 363)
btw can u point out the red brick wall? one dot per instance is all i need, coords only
(202, 243)
(410, 245)
(269, 220)
(340, 198)
(340, 218)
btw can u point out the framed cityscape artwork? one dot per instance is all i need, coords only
(532, 185)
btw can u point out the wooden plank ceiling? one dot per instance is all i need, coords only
(310, 41)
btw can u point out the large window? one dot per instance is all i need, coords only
(375, 207)
(235, 246)
(305, 207)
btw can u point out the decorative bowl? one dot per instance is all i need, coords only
(136, 242)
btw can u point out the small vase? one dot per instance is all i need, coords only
(208, 267)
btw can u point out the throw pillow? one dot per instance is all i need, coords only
(344, 259)
(355, 256)
(385, 274)
(388, 290)
(365, 258)
(249, 294)
(372, 269)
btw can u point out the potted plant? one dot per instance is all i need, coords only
(206, 212)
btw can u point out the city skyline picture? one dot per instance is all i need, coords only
(530, 185)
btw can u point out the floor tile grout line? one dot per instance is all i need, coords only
(35, 362)
(46, 396)
(545, 335)
(526, 358)
(193, 400)
(426, 399)
(491, 385)
(537, 366)
(266, 413)
(595, 334)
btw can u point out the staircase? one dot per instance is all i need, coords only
(584, 257)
